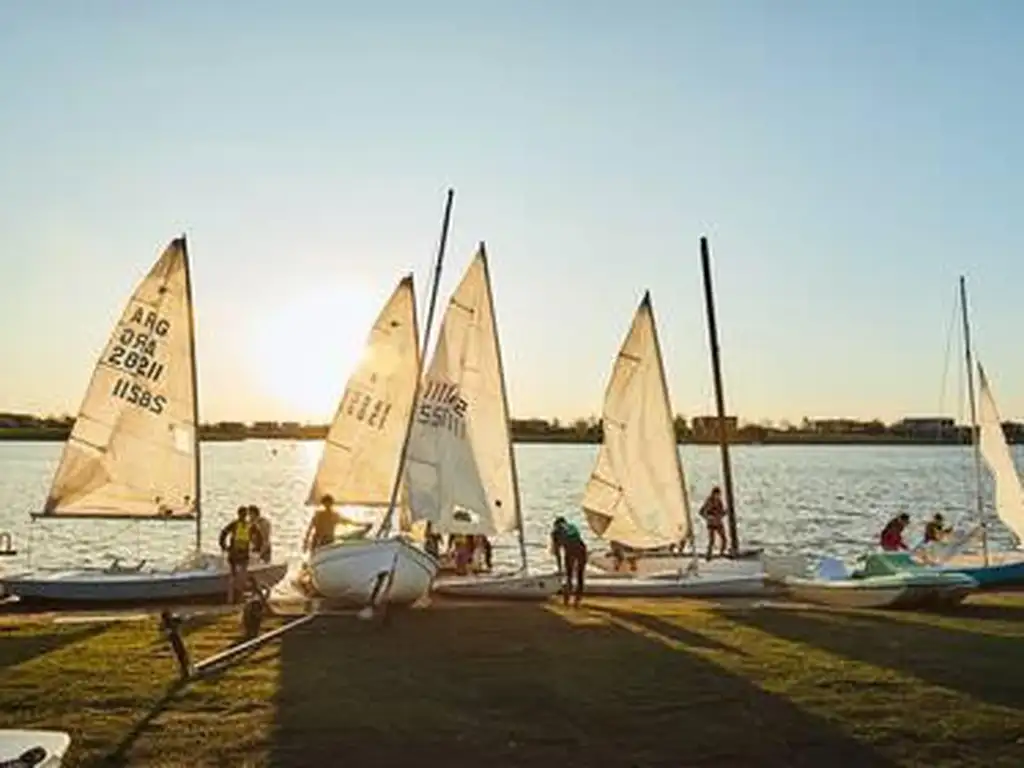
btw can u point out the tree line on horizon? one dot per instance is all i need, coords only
(700, 429)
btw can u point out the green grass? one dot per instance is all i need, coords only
(616, 683)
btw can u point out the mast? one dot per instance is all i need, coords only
(974, 417)
(668, 402)
(197, 462)
(385, 525)
(716, 369)
(504, 399)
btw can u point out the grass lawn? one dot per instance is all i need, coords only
(615, 683)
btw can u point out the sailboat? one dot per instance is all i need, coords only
(361, 464)
(991, 570)
(364, 456)
(460, 471)
(637, 493)
(133, 453)
(667, 560)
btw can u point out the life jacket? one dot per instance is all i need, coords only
(243, 536)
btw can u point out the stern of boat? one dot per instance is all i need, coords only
(348, 571)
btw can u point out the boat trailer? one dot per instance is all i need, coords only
(253, 609)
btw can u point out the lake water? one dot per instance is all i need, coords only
(812, 499)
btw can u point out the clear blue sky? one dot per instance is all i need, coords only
(848, 161)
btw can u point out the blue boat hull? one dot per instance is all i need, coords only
(996, 576)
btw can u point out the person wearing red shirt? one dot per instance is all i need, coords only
(892, 535)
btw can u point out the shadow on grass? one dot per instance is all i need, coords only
(119, 755)
(526, 686)
(17, 647)
(984, 666)
(1013, 613)
(667, 629)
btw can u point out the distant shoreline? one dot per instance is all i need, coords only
(567, 437)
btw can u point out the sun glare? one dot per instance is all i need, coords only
(306, 348)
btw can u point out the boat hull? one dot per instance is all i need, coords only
(513, 586)
(869, 593)
(85, 586)
(348, 571)
(15, 743)
(1004, 571)
(696, 585)
(668, 566)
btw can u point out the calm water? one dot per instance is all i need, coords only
(809, 498)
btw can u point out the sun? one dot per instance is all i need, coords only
(306, 348)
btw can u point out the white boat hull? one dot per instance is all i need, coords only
(669, 566)
(14, 744)
(687, 585)
(886, 581)
(847, 595)
(839, 595)
(348, 571)
(512, 586)
(204, 580)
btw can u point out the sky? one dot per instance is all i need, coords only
(848, 161)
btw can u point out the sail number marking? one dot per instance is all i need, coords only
(366, 408)
(134, 353)
(136, 394)
(443, 406)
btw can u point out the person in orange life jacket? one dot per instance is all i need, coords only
(891, 537)
(714, 513)
(566, 540)
(237, 539)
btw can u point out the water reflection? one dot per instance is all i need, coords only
(809, 498)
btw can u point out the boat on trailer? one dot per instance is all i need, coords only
(886, 580)
(133, 453)
(353, 571)
(33, 748)
(361, 467)
(364, 457)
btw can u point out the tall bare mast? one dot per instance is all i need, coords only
(385, 526)
(716, 370)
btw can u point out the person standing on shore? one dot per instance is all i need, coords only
(263, 526)
(568, 547)
(322, 525)
(237, 539)
(714, 513)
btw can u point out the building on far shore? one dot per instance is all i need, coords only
(706, 427)
(937, 427)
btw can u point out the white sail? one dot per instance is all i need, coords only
(637, 491)
(131, 452)
(360, 457)
(1009, 496)
(459, 470)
